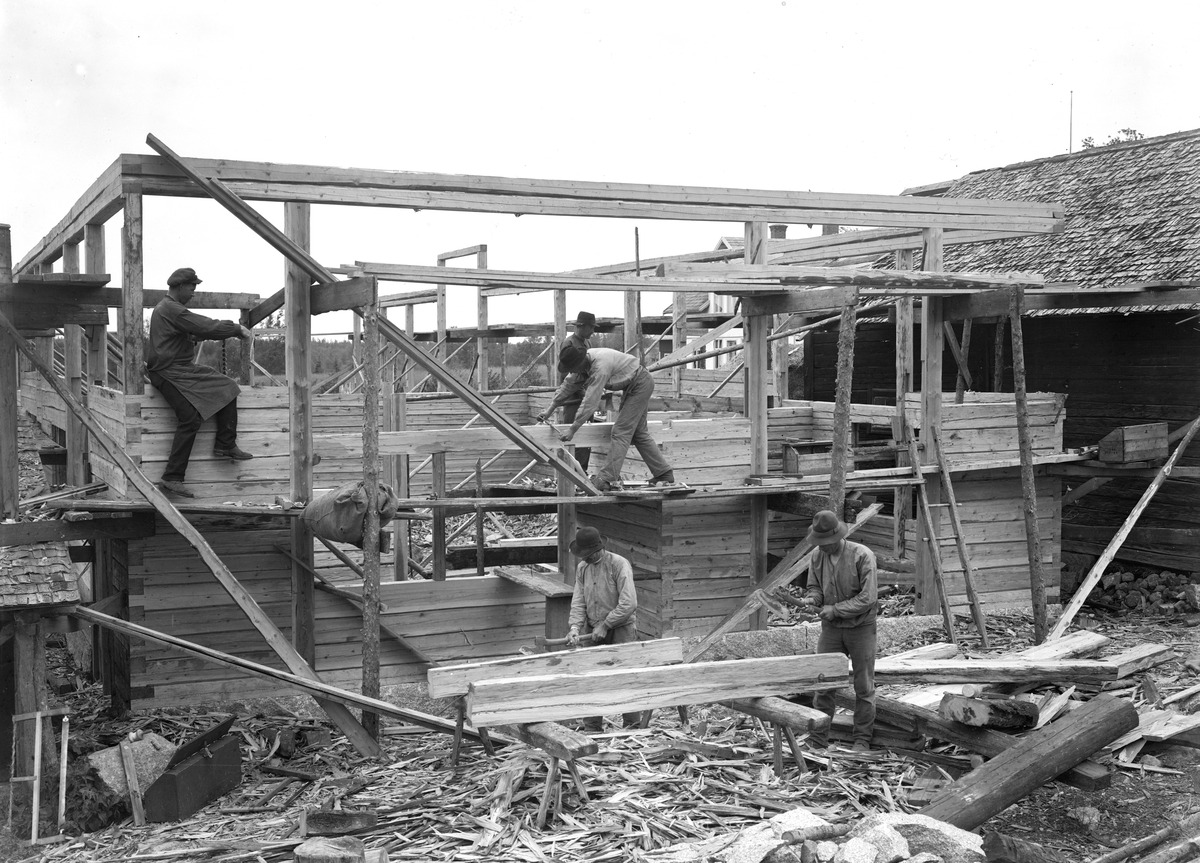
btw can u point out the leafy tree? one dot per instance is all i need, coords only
(1124, 136)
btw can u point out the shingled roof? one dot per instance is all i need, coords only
(36, 574)
(1132, 214)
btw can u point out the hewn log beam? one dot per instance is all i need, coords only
(562, 696)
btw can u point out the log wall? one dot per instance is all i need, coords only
(461, 619)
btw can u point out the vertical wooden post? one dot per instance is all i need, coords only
(560, 332)
(903, 495)
(779, 360)
(443, 349)
(94, 262)
(245, 370)
(633, 307)
(1033, 540)
(439, 517)
(404, 533)
(73, 372)
(679, 335)
(480, 537)
(370, 589)
(633, 324)
(756, 330)
(960, 388)
(840, 456)
(27, 679)
(568, 522)
(298, 324)
(410, 328)
(483, 345)
(932, 348)
(131, 295)
(998, 357)
(10, 489)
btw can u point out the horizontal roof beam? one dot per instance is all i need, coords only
(543, 205)
(272, 174)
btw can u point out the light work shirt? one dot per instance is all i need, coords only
(604, 593)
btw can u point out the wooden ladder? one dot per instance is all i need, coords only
(936, 543)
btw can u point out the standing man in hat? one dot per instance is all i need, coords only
(585, 327)
(843, 584)
(604, 602)
(591, 372)
(195, 392)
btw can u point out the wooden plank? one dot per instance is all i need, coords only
(538, 582)
(349, 294)
(370, 480)
(1014, 670)
(21, 533)
(450, 681)
(146, 166)
(562, 696)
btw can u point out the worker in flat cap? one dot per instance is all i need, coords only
(585, 328)
(843, 585)
(604, 602)
(591, 372)
(195, 392)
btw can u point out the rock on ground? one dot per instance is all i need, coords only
(150, 757)
(925, 834)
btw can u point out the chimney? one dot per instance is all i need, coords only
(778, 232)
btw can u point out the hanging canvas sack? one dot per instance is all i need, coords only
(340, 515)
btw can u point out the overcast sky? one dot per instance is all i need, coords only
(778, 94)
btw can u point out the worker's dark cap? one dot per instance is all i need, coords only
(570, 357)
(826, 528)
(585, 319)
(587, 542)
(183, 276)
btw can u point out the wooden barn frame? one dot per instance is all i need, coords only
(701, 560)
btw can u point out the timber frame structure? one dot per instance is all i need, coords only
(115, 425)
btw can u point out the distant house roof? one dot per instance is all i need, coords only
(697, 301)
(36, 574)
(1131, 214)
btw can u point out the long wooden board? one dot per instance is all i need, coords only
(1022, 670)
(454, 680)
(562, 696)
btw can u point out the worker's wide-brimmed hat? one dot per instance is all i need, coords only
(826, 528)
(570, 357)
(587, 542)
(585, 319)
(183, 276)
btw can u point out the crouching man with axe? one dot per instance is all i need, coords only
(604, 603)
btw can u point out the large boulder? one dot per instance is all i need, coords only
(927, 835)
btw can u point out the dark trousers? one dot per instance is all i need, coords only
(583, 454)
(859, 643)
(189, 423)
(621, 635)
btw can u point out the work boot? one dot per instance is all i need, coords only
(176, 487)
(603, 485)
(233, 452)
(667, 477)
(861, 746)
